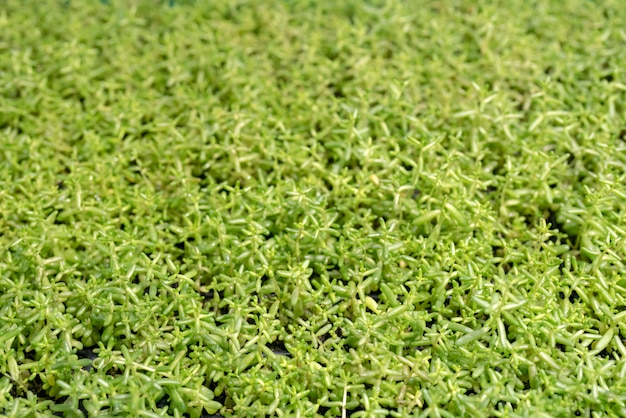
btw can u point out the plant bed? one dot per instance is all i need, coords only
(301, 208)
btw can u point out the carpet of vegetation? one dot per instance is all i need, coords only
(312, 208)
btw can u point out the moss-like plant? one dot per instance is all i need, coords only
(312, 208)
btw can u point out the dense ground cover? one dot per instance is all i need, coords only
(293, 208)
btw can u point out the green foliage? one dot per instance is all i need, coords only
(312, 207)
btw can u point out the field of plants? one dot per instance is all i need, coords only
(301, 208)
